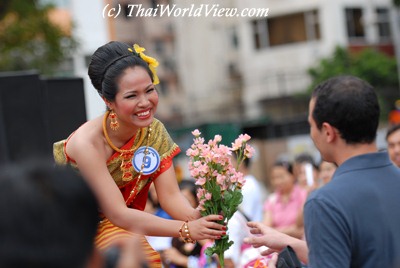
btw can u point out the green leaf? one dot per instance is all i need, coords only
(210, 251)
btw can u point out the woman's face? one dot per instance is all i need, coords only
(326, 171)
(282, 180)
(136, 100)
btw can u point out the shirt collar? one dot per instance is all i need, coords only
(364, 161)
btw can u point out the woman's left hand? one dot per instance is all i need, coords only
(207, 228)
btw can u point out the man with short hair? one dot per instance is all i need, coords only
(49, 217)
(393, 144)
(354, 220)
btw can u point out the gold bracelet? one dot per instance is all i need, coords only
(184, 233)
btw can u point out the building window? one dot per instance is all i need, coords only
(287, 29)
(383, 24)
(312, 25)
(260, 33)
(355, 27)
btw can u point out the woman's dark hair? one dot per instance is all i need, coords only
(391, 130)
(107, 65)
(285, 164)
(350, 105)
(190, 185)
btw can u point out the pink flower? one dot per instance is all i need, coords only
(210, 165)
(200, 181)
(221, 179)
(240, 141)
(240, 177)
(196, 133)
(249, 151)
(198, 140)
(192, 152)
(201, 204)
(200, 193)
(197, 164)
(203, 169)
(194, 172)
(244, 138)
(225, 150)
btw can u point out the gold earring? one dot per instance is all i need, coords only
(114, 125)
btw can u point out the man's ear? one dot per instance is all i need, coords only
(330, 132)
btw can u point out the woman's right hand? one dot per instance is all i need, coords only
(207, 228)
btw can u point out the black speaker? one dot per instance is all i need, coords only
(23, 129)
(36, 112)
(64, 107)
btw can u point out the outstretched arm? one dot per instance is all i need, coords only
(171, 199)
(275, 240)
(92, 165)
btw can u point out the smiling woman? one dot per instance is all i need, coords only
(123, 152)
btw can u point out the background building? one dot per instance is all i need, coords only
(277, 51)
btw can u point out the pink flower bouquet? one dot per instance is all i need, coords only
(220, 193)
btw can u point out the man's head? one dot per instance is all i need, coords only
(393, 143)
(48, 216)
(346, 105)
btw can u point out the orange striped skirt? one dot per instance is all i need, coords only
(107, 233)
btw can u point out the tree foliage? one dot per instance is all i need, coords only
(29, 40)
(371, 65)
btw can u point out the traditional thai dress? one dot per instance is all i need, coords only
(134, 190)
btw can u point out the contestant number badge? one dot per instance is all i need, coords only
(151, 160)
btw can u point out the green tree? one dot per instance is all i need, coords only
(371, 65)
(29, 40)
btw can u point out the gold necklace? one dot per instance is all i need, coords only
(126, 155)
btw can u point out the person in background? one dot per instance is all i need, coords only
(299, 160)
(237, 231)
(252, 204)
(283, 206)
(326, 171)
(393, 143)
(125, 150)
(353, 221)
(306, 172)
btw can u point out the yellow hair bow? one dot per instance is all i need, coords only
(152, 62)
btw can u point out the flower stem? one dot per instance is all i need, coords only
(221, 259)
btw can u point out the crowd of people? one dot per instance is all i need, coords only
(338, 213)
(352, 220)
